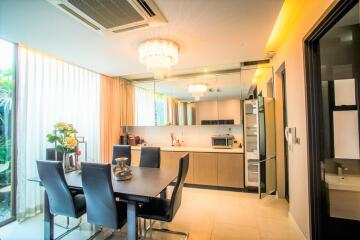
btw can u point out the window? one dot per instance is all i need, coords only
(7, 89)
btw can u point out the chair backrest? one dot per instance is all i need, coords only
(52, 177)
(150, 157)
(121, 151)
(99, 195)
(50, 155)
(176, 196)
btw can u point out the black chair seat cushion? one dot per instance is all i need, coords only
(80, 204)
(156, 209)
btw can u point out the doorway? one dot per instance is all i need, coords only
(332, 91)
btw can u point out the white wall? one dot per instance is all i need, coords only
(194, 136)
(292, 53)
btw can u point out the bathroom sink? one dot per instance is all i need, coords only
(345, 182)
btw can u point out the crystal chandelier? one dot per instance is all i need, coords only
(197, 90)
(159, 56)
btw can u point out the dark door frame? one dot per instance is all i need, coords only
(314, 121)
(285, 121)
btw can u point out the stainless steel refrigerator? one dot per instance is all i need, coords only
(260, 154)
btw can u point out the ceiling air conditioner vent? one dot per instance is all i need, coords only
(146, 8)
(69, 10)
(257, 62)
(113, 16)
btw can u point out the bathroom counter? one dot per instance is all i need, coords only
(345, 183)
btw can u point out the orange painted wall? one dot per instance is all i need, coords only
(291, 52)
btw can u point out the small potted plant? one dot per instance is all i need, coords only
(64, 138)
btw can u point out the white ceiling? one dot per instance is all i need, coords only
(209, 32)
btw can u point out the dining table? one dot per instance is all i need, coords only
(145, 184)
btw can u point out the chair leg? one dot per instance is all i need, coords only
(165, 230)
(67, 224)
(139, 227)
(112, 233)
(95, 234)
(70, 230)
(147, 228)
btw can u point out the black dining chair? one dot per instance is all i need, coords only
(160, 209)
(121, 151)
(50, 155)
(61, 200)
(150, 157)
(102, 209)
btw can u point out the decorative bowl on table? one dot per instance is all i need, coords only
(122, 171)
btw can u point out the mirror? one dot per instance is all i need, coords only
(197, 99)
(208, 99)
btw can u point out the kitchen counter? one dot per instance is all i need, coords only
(196, 149)
(345, 183)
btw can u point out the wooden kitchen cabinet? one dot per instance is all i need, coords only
(205, 168)
(212, 169)
(135, 157)
(231, 170)
(170, 160)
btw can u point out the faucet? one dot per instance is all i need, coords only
(174, 141)
(340, 169)
(172, 135)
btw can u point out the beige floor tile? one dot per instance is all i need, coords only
(277, 229)
(205, 214)
(237, 215)
(233, 232)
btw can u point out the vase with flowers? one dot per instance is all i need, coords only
(64, 138)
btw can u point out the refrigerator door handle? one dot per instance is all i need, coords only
(267, 159)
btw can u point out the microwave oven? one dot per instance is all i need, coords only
(222, 141)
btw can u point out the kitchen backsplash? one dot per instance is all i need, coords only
(194, 136)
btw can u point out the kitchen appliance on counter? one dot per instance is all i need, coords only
(124, 139)
(129, 139)
(260, 155)
(222, 141)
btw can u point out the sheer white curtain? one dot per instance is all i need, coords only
(49, 91)
(144, 107)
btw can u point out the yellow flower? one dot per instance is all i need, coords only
(71, 142)
(61, 126)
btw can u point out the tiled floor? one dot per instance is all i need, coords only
(205, 214)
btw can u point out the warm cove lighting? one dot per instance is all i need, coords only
(159, 56)
(197, 90)
(284, 23)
